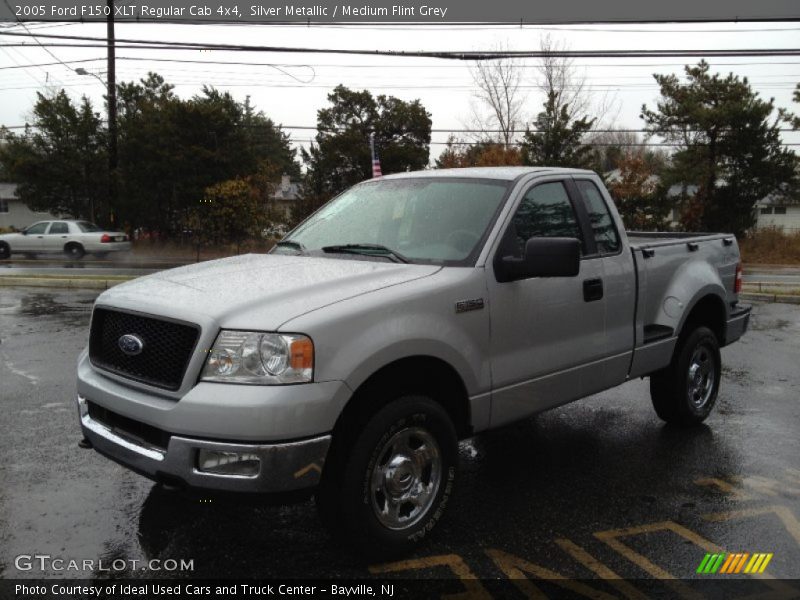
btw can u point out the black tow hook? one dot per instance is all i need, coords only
(86, 444)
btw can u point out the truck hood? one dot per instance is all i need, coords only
(258, 291)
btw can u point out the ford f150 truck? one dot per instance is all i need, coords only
(409, 312)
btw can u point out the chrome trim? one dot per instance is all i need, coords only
(284, 466)
(106, 432)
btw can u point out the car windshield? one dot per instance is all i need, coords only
(435, 220)
(87, 227)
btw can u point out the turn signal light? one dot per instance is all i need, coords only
(301, 354)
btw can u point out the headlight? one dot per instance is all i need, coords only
(262, 358)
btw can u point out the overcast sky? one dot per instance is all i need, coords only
(445, 88)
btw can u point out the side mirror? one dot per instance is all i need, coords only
(24, 232)
(544, 257)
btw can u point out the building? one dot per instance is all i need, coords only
(284, 197)
(15, 213)
(779, 210)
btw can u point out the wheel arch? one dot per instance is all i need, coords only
(418, 373)
(707, 309)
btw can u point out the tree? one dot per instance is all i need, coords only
(172, 150)
(794, 119)
(60, 162)
(499, 90)
(229, 212)
(341, 156)
(641, 201)
(482, 154)
(727, 146)
(557, 139)
(611, 147)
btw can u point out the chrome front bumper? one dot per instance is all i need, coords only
(284, 467)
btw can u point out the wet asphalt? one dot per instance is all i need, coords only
(595, 487)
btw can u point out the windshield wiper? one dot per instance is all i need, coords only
(292, 244)
(367, 250)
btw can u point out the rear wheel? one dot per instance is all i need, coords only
(685, 392)
(385, 492)
(5, 250)
(74, 251)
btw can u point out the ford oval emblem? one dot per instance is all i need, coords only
(130, 344)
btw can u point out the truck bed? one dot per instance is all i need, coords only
(666, 264)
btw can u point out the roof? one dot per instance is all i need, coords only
(782, 197)
(502, 173)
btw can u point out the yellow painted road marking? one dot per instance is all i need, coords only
(599, 569)
(473, 588)
(783, 513)
(724, 486)
(611, 538)
(518, 569)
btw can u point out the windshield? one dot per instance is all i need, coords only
(439, 220)
(87, 227)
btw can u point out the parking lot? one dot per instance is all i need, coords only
(596, 489)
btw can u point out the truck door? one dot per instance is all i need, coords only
(548, 335)
(619, 277)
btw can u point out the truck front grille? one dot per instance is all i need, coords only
(165, 351)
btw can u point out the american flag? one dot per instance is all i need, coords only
(376, 162)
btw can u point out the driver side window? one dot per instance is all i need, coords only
(545, 211)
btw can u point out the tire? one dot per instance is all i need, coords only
(383, 493)
(74, 251)
(5, 251)
(684, 393)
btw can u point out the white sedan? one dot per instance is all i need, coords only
(72, 238)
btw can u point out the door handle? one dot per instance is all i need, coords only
(63, 236)
(592, 290)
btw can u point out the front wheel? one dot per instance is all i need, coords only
(5, 251)
(389, 489)
(685, 392)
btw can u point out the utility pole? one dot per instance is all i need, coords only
(112, 110)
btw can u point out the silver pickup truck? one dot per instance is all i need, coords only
(409, 312)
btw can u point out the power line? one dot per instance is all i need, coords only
(388, 65)
(447, 55)
(50, 64)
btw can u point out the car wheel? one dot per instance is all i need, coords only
(385, 492)
(74, 251)
(685, 392)
(5, 251)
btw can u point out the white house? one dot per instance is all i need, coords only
(15, 213)
(779, 210)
